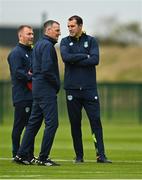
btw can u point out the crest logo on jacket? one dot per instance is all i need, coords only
(71, 43)
(96, 97)
(70, 97)
(27, 109)
(26, 55)
(86, 44)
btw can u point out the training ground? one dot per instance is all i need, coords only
(123, 143)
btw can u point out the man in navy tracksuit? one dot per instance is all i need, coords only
(80, 53)
(19, 61)
(46, 84)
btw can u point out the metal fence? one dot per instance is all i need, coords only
(119, 101)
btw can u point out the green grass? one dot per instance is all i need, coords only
(123, 144)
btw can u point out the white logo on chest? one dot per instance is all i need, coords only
(71, 43)
(86, 44)
(26, 55)
(70, 97)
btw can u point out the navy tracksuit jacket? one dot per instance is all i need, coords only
(81, 57)
(19, 61)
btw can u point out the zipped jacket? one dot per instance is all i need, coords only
(46, 80)
(80, 57)
(19, 61)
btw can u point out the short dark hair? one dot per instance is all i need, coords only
(22, 27)
(49, 23)
(77, 18)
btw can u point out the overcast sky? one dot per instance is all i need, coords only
(17, 12)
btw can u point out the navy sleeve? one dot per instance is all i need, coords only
(47, 66)
(93, 55)
(70, 57)
(17, 67)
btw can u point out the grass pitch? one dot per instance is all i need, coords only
(123, 143)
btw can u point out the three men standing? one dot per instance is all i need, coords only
(80, 53)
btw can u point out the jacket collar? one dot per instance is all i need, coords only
(27, 48)
(77, 38)
(53, 41)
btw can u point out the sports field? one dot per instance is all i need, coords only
(123, 144)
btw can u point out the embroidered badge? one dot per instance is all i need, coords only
(86, 44)
(70, 97)
(26, 55)
(96, 97)
(71, 43)
(27, 109)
